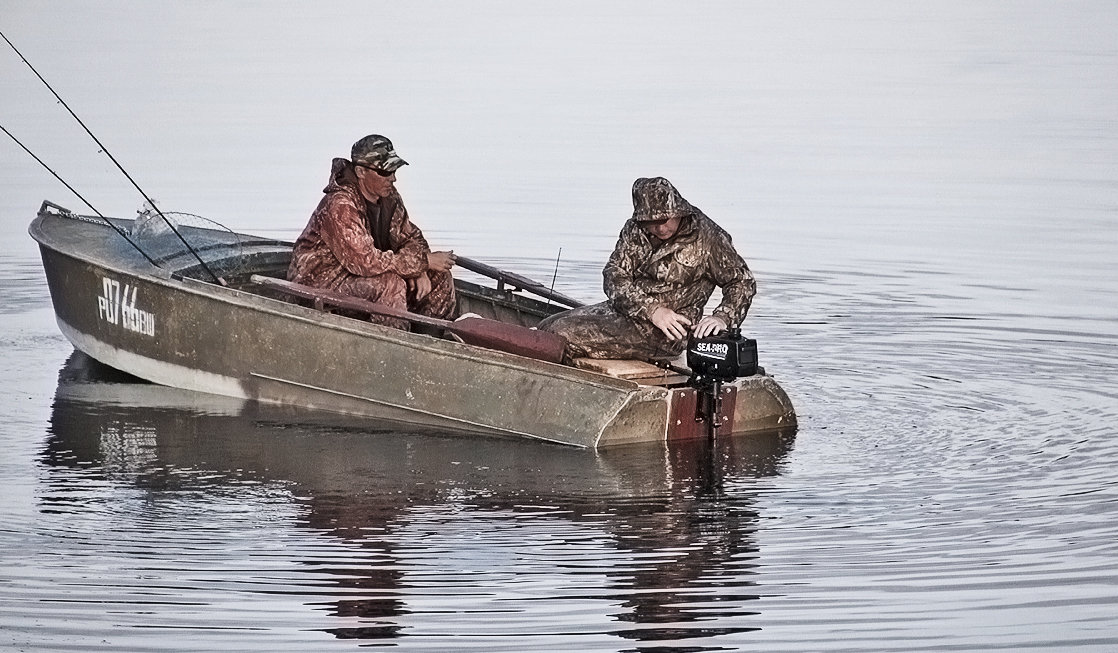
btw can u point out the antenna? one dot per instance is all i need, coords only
(555, 274)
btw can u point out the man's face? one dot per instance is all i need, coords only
(662, 229)
(374, 183)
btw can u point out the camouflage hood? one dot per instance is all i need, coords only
(341, 176)
(655, 199)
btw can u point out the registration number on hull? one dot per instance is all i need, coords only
(117, 305)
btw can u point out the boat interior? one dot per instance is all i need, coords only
(502, 302)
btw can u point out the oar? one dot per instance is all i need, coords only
(515, 280)
(478, 331)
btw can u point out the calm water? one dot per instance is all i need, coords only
(927, 193)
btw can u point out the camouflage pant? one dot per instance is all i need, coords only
(597, 331)
(392, 290)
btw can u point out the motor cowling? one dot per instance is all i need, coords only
(721, 357)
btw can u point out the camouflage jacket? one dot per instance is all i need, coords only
(348, 236)
(681, 273)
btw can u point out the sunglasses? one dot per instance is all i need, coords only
(376, 170)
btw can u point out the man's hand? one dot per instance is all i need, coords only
(421, 285)
(671, 323)
(440, 261)
(710, 325)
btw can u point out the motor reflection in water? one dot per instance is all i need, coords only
(680, 521)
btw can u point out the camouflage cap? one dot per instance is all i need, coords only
(656, 199)
(376, 151)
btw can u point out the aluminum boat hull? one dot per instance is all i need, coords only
(166, 325)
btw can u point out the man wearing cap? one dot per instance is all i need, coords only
(360, 242)
(667, 262)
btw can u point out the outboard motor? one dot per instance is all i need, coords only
(723, 357)
(715, 360)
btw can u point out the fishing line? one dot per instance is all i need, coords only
(109, 222)
(112, 158)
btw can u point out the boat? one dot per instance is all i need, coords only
(199, 307)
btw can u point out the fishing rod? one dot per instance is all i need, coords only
(115, 162)
(116, 228)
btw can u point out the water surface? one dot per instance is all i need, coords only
(927, 195)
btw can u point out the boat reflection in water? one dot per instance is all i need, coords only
(661, 537)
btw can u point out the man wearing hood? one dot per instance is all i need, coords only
(360, 242)
(667, 262)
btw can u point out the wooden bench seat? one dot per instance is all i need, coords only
(631, 370)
